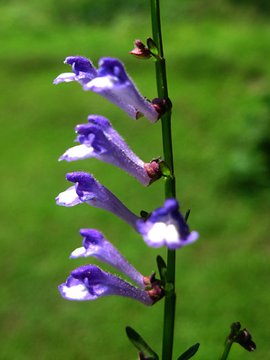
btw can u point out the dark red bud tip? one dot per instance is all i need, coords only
(151, 280)
(162, 105)
(156, 293)
(154, 288)
(245, 340)
(241, 336)
(140, 51)
(139, 44)
(153, 170)
(146, 280)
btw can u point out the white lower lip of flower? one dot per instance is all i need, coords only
(78, 292)
(65, 77)
(79, 252)
(156, 233)
(68, 197)
(77, 152)
(161, 232)
(172, 234)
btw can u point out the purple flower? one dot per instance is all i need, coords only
(89, 282)
(88, 189)
(99, 139)
(83, 71)
(166, 226)
(112, 82)
(94, 244)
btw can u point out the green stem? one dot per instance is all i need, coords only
(161, 79)
(227, 349)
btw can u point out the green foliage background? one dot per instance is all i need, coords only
(218, 71)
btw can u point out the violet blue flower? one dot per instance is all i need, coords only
(88, 189)
(89, 282)
(94, 244)
(166, 226)
(83, 71)
(99, 139)
(112, 82)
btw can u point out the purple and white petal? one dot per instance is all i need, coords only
(100, 140)
(68, 197)
(83, 71)
(88, 189)
(94, 244)
(74, 289)
(80, 65)
(114, 84)
(89, 282)
(78, 152)
(166, 226)
(65, 77)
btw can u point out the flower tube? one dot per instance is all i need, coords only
(111, 81)
(89, 282)
(98, 139)
(94, 244)
(88, 189)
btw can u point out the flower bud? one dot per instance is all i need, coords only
(140, 51)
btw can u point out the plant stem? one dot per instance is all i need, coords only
(227, 349)
(161, 79)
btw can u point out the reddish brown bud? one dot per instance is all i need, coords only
(245, 340)
(162, 105)
(153, 287)
(146, 280)
(140, 51)
(241, 336)
(156, 294)
(153, 169)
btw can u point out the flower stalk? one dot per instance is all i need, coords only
(170, 192)
(227, 349)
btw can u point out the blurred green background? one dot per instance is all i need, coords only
(218, 71)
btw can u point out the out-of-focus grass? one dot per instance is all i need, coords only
(219, 83)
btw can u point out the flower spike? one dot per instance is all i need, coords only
(99, 139)
(88, 189)
(166, 226)
(94, 244)
(89, 282)
(112, 82)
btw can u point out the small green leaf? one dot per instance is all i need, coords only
(140, 344)
(152, 47)
(164, 169)
(187, 214)
(162, 268)
(190, 352)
